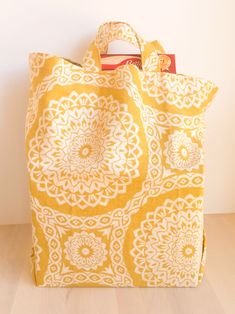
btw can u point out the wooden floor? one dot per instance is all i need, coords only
(216, 295)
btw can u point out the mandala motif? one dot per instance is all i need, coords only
(85, 151)
(168, 245)
(66, 73)
(85, 250)
(181, 152)
(76, 243)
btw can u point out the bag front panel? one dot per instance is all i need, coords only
(116, 176)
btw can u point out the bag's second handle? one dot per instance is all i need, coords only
(115, 31)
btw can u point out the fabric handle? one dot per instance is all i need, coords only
(117, 31)
(110, 31)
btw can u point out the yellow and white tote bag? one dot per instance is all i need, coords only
(115, 165)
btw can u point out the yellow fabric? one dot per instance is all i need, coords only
(116, 169)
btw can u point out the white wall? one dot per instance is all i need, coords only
(200, 33)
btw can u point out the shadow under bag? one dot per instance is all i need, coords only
(115, 165)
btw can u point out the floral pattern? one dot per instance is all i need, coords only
(85, 250)
(168, 244)
(89, 152)
(181, 152)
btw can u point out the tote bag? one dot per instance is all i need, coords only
(115, 164)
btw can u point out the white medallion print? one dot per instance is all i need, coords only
(168, 244)
(181, 152)
(85, 250)
(85, 150)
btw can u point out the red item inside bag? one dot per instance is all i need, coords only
(112, 61)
